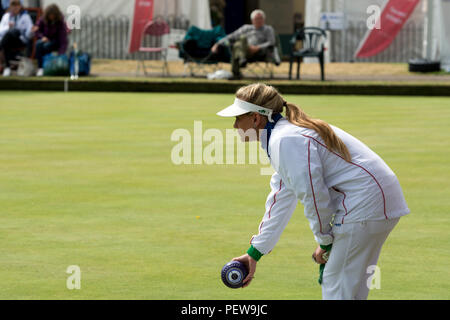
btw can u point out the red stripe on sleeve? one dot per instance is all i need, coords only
(275, 198)
(312, 186)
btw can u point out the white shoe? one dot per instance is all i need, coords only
(40, 72)
(7, 72)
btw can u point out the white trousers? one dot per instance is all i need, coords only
(356, 246)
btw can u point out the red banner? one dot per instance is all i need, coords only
(392, 18)
(143, 13)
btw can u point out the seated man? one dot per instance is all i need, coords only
(251, 41)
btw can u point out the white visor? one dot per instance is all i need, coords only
(241, 107)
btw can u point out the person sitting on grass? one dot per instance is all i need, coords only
(15, 33)
(251, 41)
(51, 30)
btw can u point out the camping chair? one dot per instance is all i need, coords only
(263, 67)
(195, 49)
(152, 42)
(313, 46)
(35, 14)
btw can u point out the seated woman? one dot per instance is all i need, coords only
(51, 32)
(15, 33)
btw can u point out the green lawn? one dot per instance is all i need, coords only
(86, 179)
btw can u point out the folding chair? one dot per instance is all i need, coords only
(35, 14)
(153, 42)
(195, 49)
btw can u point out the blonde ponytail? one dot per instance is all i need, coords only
(296, 116)
(268, 97)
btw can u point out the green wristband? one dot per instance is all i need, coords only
(326, 247)
(254, 253)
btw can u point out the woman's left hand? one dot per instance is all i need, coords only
(317, 255)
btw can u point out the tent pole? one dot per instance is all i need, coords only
(429, 25)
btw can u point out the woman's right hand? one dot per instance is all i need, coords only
(250, 264)
(34, 29)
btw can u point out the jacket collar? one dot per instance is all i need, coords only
(265, 136)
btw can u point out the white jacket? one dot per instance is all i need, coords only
(22, 22)
(331, 189)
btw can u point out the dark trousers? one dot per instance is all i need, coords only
(11, 45)
(43, 48)
(240, 53)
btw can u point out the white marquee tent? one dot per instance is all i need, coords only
(110, 40)
(197, 11)
(429, 14)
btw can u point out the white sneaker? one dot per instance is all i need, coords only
(7, 72)
(40, 72)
